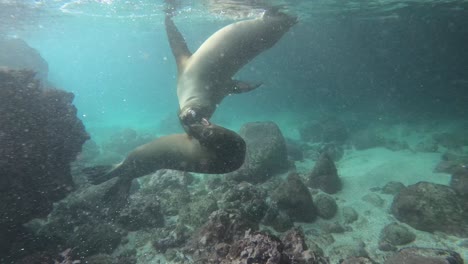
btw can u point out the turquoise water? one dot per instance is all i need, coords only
(113, 55)
(390, 74)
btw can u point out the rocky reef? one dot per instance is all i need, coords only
(40, 136)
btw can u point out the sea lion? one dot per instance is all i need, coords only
(219, 150)
(205, 77)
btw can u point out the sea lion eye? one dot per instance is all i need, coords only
(192, 113)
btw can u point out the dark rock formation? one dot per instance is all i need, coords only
(83, 222)
(294, 198)
(142, 211)
(222, 229)
(40, 136)
(326, 205)
(266, 153)
(432, 207)
(324, 175)
(196, 213)
(263, 248)
(452, 161)
(247, 198)
(452, 140)
(16, 54)
(277, 219)
(415, 255)
(171, 189)
(326, 130)
(459, 181)
(396, 234)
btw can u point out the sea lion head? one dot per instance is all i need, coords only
(229, 147)
(192, 115)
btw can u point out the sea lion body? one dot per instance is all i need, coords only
(205, 77)
(222, 151)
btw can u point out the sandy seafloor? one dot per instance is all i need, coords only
(361, 171)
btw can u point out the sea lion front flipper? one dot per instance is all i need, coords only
(243, 87)
(177, 42)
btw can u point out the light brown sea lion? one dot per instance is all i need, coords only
(205, 77)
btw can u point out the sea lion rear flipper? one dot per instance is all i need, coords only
(98, 174)
(243, 87)
(177, 42)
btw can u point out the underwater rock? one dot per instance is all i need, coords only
(326, 130)
(263, 248)
(452, 161)
(81, 221)
(459, 181)
(294, 198)
(326, 205)
(142, 211)
(108, 259)
(170, 187)
(452, 140)
(392, 187)
(196, 212)
(223, 226)
(266, 153)
(349, 215)
(16, 54)
(258, 247)
(277, 219)
(396, 234)
(432, 207)
(250, 200)
(40, 136)
(416, 255)
(324, 175)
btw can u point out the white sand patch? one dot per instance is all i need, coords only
(362, 170)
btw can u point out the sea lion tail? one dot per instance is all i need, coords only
(98, 174)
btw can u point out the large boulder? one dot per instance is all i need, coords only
(266, 153)
(40, 135)
(459, 181)
(432, 207)
(324, 175)
(16, 54)
(294, 198)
